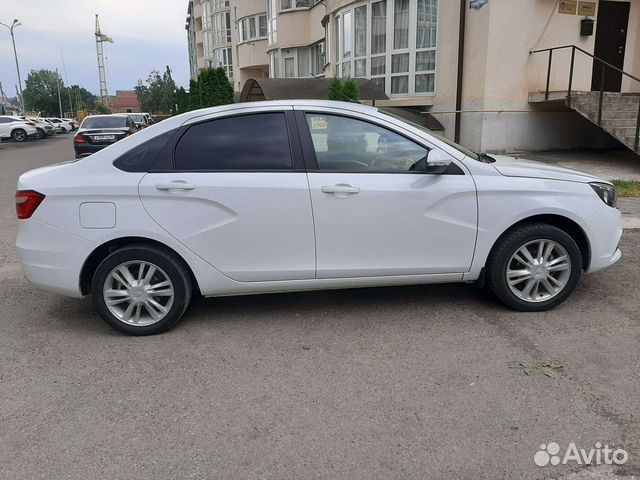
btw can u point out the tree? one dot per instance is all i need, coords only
(194, 95)
(335, 90)
(214, 88)
(344, 91)
(351, 90)
(41, 92)
(182, 100)
(157, 94)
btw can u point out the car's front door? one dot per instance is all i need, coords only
(377, 208)
(238, 198)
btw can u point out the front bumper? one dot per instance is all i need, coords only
(605, 232)
(52, 259)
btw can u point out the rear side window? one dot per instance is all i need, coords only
(246, 142)
(142, 157)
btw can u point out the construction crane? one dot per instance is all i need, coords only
(100, 39)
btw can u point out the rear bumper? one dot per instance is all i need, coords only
(52, 259)
(86, 149)
(605, 232)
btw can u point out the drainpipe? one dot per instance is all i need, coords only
(463, 19)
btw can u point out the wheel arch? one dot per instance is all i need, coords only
(103, 251)
(563, 223)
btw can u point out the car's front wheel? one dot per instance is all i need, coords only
(141, 290)
(534, 267)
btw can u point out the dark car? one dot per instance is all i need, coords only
(140, 120)
(99, 131)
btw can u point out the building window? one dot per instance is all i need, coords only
(222, 58)
(403, 62)
(262, 26)
(220, 4)
(379, 27)
(290, 4)
(274, 65)
(253, 28)
(400, 24)
(318, 58)
(272, 13)
(206, 15)
(221, 28)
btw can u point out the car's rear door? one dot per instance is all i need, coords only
(237, 195)
(377, 210)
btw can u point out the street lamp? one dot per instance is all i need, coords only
(15, 24)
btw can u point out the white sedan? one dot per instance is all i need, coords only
(304, 195)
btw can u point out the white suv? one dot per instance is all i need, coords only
(304, 195)
(16, 128)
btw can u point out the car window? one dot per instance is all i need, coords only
(246, 142)
(104, 122)
(141, 158)
(348, 144)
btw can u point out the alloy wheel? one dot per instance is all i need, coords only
(138, 293)
(19, 136)
(538, 270)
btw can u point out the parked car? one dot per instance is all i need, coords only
(99, 131)
(44, 128)
(62, 126)
(139, 119)
(16, 128)
(304, 195)
(72, 122)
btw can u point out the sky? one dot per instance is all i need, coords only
(147, 34)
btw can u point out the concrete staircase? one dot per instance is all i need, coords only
(619, 113)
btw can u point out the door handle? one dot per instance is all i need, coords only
(175, 186)
(340, 188)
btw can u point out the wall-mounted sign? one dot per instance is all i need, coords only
(568, 6)
(477, 4)
(587, 9)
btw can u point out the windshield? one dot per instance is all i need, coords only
(460, 148)
(137, 118)
(104, 122)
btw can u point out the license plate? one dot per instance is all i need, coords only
(104, 137)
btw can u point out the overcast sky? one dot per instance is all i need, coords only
(148, 35)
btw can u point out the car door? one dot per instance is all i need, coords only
(238, 197)
(377, 208)
(4, 127)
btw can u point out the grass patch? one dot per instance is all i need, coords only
(627, 188)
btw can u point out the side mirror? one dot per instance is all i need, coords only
(438, 162)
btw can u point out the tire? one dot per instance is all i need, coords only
(134, 301)
(41, 134)
(565, 274)
(19, 135)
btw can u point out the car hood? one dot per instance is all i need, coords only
(519, 167)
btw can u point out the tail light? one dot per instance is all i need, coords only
(31, 124)
(79, 139)
(26, 203)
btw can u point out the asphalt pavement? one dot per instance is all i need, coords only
(424, 382)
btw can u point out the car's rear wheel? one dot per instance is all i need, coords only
(534, 267)
(19, 135)
(41, 134)
(141, 290)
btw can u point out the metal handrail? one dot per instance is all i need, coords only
(602, 79)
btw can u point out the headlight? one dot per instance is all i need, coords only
(606, 192)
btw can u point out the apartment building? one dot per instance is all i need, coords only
(467, 62)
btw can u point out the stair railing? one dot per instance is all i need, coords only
(605, 65)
